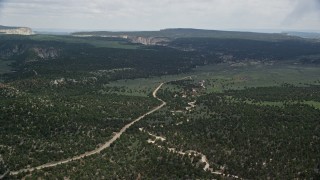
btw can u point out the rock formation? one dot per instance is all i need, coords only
(15, 30)
(148, 40)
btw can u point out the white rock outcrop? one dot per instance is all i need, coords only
(18, 31)
(148, 40)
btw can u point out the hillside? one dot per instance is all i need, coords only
(165, 35)
(197, 108)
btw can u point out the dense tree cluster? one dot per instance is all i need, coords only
(249, 140)
(240, 49)
(129, 158)
(39, 128)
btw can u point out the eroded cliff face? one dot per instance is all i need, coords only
(29, 54)
(18, 31)
(7, 52)
(151, 40)
(46, 53)
(148, 40)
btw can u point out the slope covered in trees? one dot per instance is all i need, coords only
(61, 100)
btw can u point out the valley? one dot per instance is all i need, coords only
(204, 105)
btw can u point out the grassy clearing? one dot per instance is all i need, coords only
(143, 86)
(313, 104)
(262, 103)
(98, 42)
(228, 77)
(225, 77)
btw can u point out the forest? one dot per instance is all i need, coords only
(61, 96)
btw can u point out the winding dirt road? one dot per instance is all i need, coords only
(101, 148)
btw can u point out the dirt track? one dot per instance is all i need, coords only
(101, 148)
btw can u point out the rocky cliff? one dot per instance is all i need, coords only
(145, 40)
(148, 40)
(15, 30)
(46, 53)
(29, 53)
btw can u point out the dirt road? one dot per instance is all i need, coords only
(101, 148)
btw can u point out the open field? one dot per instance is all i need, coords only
(225, 77)
(98, 42)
